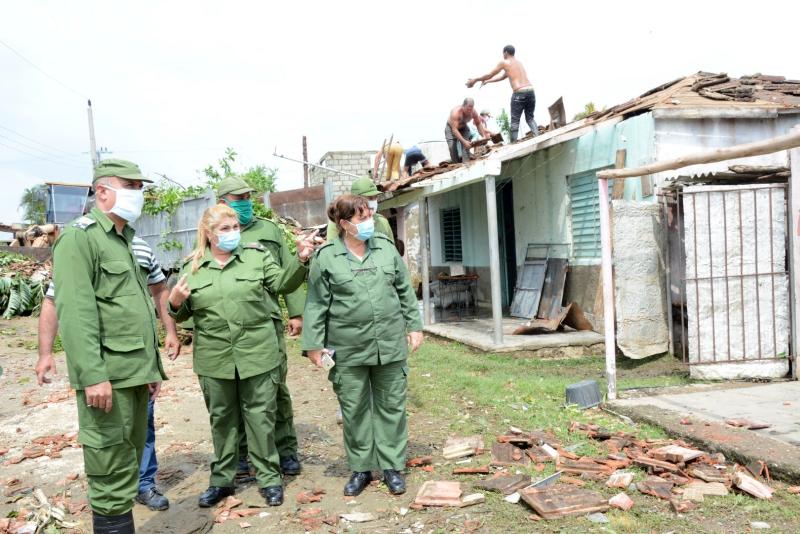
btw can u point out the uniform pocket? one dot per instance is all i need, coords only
(124, 356)
(389, 274)
(116, 279)
(202, 294)
(342, 283)
(100, 451)
(249, 286)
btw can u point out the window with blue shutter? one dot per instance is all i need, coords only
(585, 216)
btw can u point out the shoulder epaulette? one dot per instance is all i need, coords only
(323, 246)
(255, 245)
(83, 222)
(380, 235)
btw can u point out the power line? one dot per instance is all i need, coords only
(45, 152)
(32, 64)
(72, 154)
(43, 158)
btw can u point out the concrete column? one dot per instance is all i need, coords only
(425, 271)
(494, 259)
(794, 252)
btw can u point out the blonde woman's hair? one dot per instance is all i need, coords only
(205, 227)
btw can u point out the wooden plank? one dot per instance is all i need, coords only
(619, 185)
(559, 501)
(553, 289)
(769, 146)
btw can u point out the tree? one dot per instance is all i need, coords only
(588, 109)
(504, 123)
(34, 204)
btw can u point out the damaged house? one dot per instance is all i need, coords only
(513, 237)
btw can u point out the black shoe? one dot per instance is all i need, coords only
(113, 524)
(272, 494)
(153, 499)
(358, 481)
(290, 465)
(395, 481)
(243, 471)
(213, 495)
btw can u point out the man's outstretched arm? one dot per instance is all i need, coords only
(494, 72)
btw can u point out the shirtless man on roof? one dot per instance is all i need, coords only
(523, 97)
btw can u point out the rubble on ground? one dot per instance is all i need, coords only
(674, 471)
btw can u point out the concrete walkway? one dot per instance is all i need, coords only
(708, 407)
(478, 333)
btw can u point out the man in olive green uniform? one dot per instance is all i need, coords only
(235, 192)
(365, 187)
(363, 309)
(108, 328)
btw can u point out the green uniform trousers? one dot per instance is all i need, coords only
(252, 401)
(373, 401)
(112, 448)
(285, 435)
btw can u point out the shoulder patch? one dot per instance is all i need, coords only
(256, 246)
(83, 222)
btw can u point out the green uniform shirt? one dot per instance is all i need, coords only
(232, 315)
(362, 309)
(382, 227)
(105, 312)
(271, 236)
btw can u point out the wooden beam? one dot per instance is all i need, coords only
(776, 144)
(494, 259)
(794, 252)
(619, 185)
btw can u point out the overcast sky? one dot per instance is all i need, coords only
(174, 83)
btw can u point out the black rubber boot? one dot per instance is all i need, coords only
(113, 524)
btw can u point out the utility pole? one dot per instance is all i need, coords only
(305, 165)
(94, 153)
(92, 146)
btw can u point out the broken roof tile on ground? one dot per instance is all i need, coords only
(561, 501)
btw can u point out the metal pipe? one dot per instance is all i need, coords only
(608, 288)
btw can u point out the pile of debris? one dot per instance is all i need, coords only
(675, 472)
(50, 446)
(23, 282)
(744, 89)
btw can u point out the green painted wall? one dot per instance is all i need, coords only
(541, 199)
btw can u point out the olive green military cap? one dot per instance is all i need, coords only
(364, 187)
(233, 185)
(120, 168)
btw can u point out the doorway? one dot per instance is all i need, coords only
(506, 240)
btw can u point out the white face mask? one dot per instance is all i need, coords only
(129, 203)
(373, 205)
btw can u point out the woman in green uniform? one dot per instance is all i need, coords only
(361, 305)
(236, 352)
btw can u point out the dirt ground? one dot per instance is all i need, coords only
(184, 449)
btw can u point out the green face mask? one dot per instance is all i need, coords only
(243, 209)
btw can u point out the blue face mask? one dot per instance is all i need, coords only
(228, 241)
(364, 230)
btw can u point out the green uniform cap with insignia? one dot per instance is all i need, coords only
(364, 187)
(233, 185)
(120, 168)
